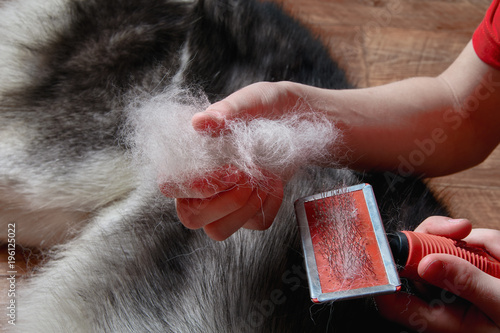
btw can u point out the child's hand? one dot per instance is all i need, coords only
(223, 204)
(262, 99)
(473, 301)
(224, 213)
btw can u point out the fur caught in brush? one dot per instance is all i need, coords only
(81, 157)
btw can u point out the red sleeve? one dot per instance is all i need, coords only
(486, 38)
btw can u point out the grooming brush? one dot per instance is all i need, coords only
(348, 254)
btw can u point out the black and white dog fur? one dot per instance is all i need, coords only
(117, 258)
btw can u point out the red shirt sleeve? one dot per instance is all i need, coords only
(486, 38)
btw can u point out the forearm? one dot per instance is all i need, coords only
(430, 126)
(405, 126)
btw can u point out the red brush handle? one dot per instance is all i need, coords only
(420, 245)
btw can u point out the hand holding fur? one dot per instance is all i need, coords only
(249, 155)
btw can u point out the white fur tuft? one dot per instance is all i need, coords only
(173, 153)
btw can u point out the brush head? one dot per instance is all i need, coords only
(346, 250)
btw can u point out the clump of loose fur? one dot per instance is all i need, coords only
(166, 146)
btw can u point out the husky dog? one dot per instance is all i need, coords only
(117, 257)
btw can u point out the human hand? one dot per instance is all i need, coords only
(472, 303)
(224, 204)
(228, 203)
(262, 99)
(226, 200)
(248, 200)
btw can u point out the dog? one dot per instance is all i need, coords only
(116, 257)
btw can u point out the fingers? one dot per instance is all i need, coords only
(265, 216)
(225, 213)
(230, 223)
(196, 213)
(226, 201)
(219, 180)
(443, 314)
(469, 300)
(408, 310)
(263, 99)
(489, 239)
(465, 280)
(445, 226)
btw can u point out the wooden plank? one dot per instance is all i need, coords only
(384, 41)
(396, 54)
(480, 205)
(422, 15)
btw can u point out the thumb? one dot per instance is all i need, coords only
(211, 121)
(464, 280)
(263, 99)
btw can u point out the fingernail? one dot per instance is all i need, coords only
(208, 121)
(435, 270)
(211, 125)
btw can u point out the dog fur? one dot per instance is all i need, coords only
(117, 258)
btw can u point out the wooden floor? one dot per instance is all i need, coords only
(380, 41)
